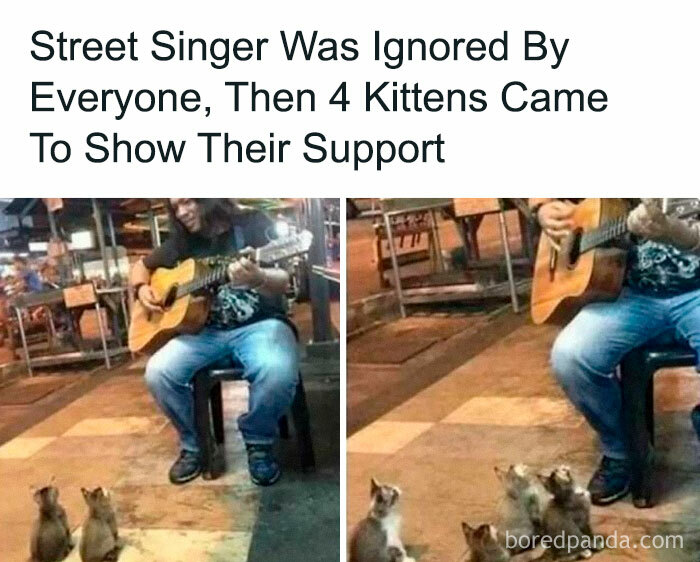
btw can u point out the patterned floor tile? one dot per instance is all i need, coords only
(385, 437)
(153, 471)
(24, 447)
(200, 508)
(515, 411)
(116, 426)
(179, 546)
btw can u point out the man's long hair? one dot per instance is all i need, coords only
(217, 216)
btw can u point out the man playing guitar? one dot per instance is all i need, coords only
(246, 323)
(661, 298)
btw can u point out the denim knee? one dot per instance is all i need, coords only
(565, 359)
(155, 376)
(277, 369)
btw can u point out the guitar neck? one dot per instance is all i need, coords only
(271, 253)
(215, 277)
(615, 228)
(605, 233)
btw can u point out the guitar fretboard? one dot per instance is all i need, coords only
(266, 255)
(214, 277)
(603, 234)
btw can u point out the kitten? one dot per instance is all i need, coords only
(520, 511)
(100, 538)
(567, 513)
(50, 540)
(485, 544)
(377, 538)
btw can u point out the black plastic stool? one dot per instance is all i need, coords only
(209, 419)
(638, 369)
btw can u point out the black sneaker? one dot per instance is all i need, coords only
(187, 467)
(262, 465)
(610, 482)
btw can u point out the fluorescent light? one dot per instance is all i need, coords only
(82, 240)
(38, 246)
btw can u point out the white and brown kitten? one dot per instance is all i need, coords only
(520, 510)
(377, 538)
(485, 543)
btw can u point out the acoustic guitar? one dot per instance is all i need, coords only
(181, 292)
(586, 268)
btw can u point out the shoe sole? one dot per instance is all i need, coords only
(270, 482)
(187, 478)
(611, 499)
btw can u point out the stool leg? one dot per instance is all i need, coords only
(202, 421)
(300, 414)
(636, 378)
(217, 412)
(284, 427)
(649, 410)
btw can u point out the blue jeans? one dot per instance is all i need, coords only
(587, 352)
(268, 352)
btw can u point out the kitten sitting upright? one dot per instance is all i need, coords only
(50, 540)
(520, 510)
(485, 544)
(377, 538)
(568, 514)
(100, 539)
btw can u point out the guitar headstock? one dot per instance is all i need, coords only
(294, 244)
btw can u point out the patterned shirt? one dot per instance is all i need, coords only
(661, 269)
(232, 307)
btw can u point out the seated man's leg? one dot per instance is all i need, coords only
(685, 313)
(269, 354)
(686, 316)
(584, 358)
(169, 374)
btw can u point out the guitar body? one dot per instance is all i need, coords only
(188, 314)
(563, 282)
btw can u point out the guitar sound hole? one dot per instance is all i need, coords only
(170, 297)
(574, 248)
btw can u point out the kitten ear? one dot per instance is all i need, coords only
(86, 493)
(374, 486)
(500, 474)
(467, 530)
(395, 494)
(545, 480)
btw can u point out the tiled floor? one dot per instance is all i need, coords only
(502, 407)
(182, 546)
(114, 437)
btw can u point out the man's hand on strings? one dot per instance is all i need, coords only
(555, 218)
(148, 299)
(245, 273)
(648, 221)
